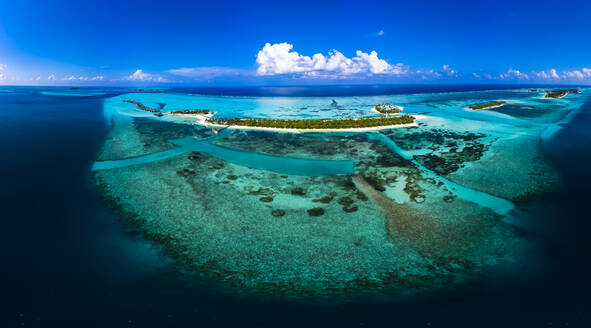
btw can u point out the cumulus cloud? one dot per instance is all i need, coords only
(576, 74)
(1, 76)
(514, 74)
(542, 75)
(79, 78)
(427, 74)
(448, 70)
(476, 76)
(380, 33)
(139, 75)
(583, 73)
(278, 58)
(51, 77)
(546, 75)
(3, 66)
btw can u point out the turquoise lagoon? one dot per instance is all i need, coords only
(329, 214)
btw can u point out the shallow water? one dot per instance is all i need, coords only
(283, 165)
(70, 260)
(421, 238)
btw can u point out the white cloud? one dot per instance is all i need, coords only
(546, 75)
(38, 78)
(542, 75)
(549, 74)
(279, 59)
(1, 76)
(139, 75)
(430, 74)
(580, 74)
(80, 78)
(3, 66)
(514, 74)
(476, 76)
(448, 70)
(51, 77)
(380, 32)
(576, 74)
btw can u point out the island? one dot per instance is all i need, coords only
(205, 117)
(387, 109)
(190, 112)
(555, 94)
(349, 124)
(489, 105)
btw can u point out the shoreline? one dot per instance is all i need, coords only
(560, 97)
(202, 120)
(398, 109)
(497, 105)
(491, 107)
(388, 114)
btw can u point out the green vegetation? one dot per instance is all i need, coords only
(365, 122)
(556, 94)
(191, 111)
(488, 105)
(387, 109)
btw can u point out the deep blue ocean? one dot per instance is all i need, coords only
(68, 262)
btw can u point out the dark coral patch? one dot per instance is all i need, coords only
(345, 201)
(324, 200)
(350, 209)
(316, 211)
(277, 213)
(298, 191)
(185, 172)
(449, 198)
(262, 192)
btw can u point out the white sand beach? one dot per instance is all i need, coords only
(202, 120)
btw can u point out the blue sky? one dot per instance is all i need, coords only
(293, 42)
